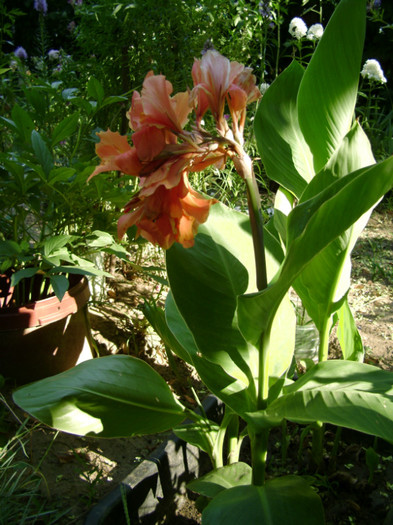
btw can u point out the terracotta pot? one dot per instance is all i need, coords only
(45, 337)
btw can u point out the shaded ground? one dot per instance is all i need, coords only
(77, 472)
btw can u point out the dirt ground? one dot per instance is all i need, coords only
(77, 471)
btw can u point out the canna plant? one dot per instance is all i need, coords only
(228, 311)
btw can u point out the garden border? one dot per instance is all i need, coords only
(156, 486)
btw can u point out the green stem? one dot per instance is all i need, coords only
(233, 439)
(278, 38)
(284, 441)
(317, 442)
(324, 334)
(256, 222)
(259, 442)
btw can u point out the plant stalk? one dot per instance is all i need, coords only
(245, 169)
(259, 442)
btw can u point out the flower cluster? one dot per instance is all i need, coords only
(53, 54)
(372, 71)
(315, 32)
(298, 29)
(166, 209)
(41, 6)
(20, 52)
(265, 10)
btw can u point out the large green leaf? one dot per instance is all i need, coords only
(328, 90)
(112, 396)
(205, 282)
(284, 152)
(312, 226)
(343, 393)
(324, 283)
(288, 500)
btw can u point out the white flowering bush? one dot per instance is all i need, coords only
(372, 71)
(315, 32)
(297, 28)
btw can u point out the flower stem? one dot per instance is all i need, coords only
(243, 165)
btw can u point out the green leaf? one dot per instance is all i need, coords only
(100, 239)
(25, 273)
(65, 129)
(284, 152)
(95, 89)
(69, 93)
(53, 244)
(308, 235)
(86, 268)
(328, 90)
(221, 479)
(113, 100)
(42, 152)
(60, 175)
(324, 283)
(205, 282)
(9, 248)
(113, 396)
(202, 434)
(156, 317)
(60, 285)
(343, 393)
(288, 500)
(23, 122)
(348, 335)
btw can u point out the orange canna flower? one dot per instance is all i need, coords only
(155, 107)
(116, 154)
(167, 215)
(166, 209)
(216, 81)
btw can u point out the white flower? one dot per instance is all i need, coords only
(53, 54)
(263, 87)
(297, 28)
(315, 32)
(373, 71)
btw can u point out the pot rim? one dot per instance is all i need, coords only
(46, 311)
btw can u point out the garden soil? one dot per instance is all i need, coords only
(77, 471)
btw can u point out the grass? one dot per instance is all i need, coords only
(22, 484)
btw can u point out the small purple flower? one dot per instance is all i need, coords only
(20, 52)
(53, 54)
(377, 4)
(41, 6)
(265, 10)
(71, 26)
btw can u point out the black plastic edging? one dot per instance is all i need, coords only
(150, 490)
